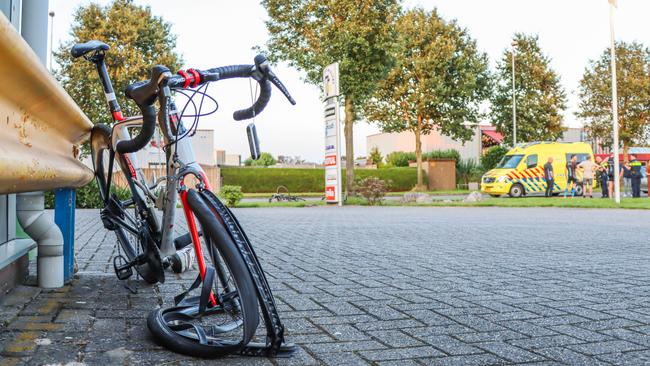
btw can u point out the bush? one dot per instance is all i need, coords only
(88, 196)
(256, 180)
(442, 154)
(231, 194)
(265, 159)
(493, 156)
(400, 158)
(375, 156)
(372, 189)
(467, 171)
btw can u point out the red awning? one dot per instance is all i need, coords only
(494, 135)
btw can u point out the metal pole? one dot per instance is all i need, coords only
(514, 100)
(617, 188)
(51, 38)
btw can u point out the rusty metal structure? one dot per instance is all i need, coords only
(41, 126)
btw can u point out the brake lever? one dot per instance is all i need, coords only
(262, 65)
(278, 84)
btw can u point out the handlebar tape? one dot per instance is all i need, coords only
(258, 106)
(146, 133)
(233, 71)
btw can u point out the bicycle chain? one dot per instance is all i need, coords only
(274, 327)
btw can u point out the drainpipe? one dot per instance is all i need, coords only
(30, 207)
(39, 225)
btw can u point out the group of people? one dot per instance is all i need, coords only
(630, 172)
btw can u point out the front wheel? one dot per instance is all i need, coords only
(516, 191)
(579, 190)
(219, 330)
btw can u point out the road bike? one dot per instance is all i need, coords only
(233, 288)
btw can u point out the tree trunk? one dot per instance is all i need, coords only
(418, 154)
(349, 144)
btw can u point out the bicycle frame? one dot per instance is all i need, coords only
(181, 164)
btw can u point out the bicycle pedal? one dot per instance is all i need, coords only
(122, 267)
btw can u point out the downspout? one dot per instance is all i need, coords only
(40, 226)
(30, 207)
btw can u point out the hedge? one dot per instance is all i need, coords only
(267, 180)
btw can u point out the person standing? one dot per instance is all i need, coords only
(635, 174)
(549, 177)
(587, 167)
(571, 179)
(627, 179)
(604, 171)
(610, 176)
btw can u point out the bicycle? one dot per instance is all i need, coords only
(224, 317)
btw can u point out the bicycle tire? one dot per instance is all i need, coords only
(223, 244)
(100, 141)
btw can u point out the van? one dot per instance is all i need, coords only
(521, 171)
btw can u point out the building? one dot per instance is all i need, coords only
(485, 136)
(203, 144)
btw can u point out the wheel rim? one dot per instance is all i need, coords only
(516, 191)
(220, 325)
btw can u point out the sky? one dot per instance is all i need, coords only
(218, 33)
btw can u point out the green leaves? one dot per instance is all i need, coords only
(311, 34)
(439, 75)
(595, 93)
(539, 95)
(138, 41)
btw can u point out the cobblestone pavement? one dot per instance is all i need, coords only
(383, 286)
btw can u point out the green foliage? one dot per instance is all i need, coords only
(400, 158)
(265, 159)
(231, 194)
(88, 196)
(595, 93)
(375, 156)
(442, 154)
(468, 170)
(138, 40)
(372, 189)
(539, 95)
(311, 34)
(438, 82)
(255, 180)
(492, 157)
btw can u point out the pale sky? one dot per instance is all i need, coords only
(216, 33)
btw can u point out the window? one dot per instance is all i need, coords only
(531, 161)
(510, 161)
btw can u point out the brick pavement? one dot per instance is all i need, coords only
(382, 286)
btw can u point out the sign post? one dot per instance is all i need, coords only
(332, 135)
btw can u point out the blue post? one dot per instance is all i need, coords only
(64, 210)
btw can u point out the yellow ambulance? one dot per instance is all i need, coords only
(521, 171)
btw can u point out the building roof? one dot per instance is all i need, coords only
(491, 132)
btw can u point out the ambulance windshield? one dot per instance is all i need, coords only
(509, 161)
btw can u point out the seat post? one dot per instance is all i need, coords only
(113, 105)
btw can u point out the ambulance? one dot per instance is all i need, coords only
(521, 171)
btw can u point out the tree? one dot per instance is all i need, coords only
(311, 34)
(595, 93)
(265, 159)
(375, 156)
(438, 81)
(492, 157)
(540, 98)
(138, 40)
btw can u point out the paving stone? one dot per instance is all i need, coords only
(380, 286)
(510, 352)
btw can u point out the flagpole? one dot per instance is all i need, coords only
(617, 187)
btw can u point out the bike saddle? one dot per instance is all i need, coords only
(81, 49)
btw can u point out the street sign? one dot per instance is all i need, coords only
(332, 135)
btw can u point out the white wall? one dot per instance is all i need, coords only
(405, 141)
